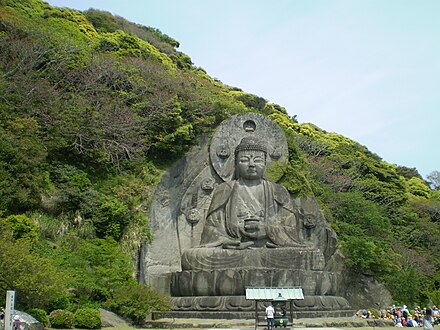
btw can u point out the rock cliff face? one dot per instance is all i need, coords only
(220, 226)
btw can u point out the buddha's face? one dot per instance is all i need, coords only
(251, 164)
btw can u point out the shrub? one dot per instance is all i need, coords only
(366, 256)
(136, 301)
(87, 318)
(61, 318)
(22, 226)
(37, 278)
(40, 315)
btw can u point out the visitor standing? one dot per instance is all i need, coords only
(398, 316)
(405, 312)
(17, 323)
(283, 311)
(428, 320)
(270, 313)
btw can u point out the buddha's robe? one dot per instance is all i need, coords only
(267, 204)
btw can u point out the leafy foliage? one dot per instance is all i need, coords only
(40, 315)
(418, 187)
(365, 256)
(136, 302)
(21, 154)
(21, 226)
(87, 318)
(96, 267)
(352, 209)
(42, 287)
(61, 319)
(415, 288)
(374, 207)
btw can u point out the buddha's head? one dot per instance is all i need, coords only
(250, 159)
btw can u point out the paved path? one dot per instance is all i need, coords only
(296, 328)
(298, 324)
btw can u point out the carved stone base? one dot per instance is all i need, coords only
(233, 282)
(268, 258)
(247, 316)
(240, 304)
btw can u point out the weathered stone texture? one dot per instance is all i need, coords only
(219, 226)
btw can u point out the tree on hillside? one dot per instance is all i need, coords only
(38, 282)
(434, 179)
(408, 172)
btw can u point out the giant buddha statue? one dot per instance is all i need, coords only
(249, 211)
(222, 223)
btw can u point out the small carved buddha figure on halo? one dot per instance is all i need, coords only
(250, 211)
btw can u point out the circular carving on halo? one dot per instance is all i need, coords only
(249, 126)
(164, 200)
(207, 185)
(223, 151)
(229, 134)
(276, 154)
(193, 216)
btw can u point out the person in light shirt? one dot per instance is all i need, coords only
(270, 313)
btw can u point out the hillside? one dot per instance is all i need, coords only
(94, 108)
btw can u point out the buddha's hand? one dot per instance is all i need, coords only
(239, 246)
(232, 244)
(254, 229)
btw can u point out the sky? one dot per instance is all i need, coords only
(365, 69)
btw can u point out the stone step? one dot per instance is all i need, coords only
(248, 315)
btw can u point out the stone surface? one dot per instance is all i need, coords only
(266, 259)
(219, 225)
(110, 319)
(28, 322)
(239, 303)
(317, 324)
(233, 282)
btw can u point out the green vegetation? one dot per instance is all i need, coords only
(386, 216)
(134, 302)
(40, 315)
(87, 318)
(93, 109)
(61, 319)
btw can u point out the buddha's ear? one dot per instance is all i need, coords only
(235, 176)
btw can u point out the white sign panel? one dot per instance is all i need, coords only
(9, 310)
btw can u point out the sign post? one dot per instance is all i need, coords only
(9, 310)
